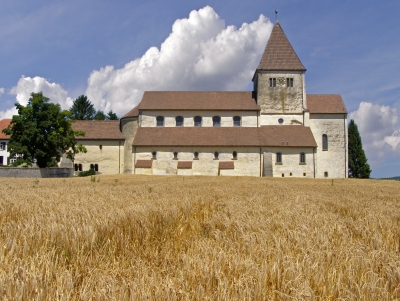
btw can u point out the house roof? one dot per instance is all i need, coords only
(279, 54)
(287, 135)
(326, 104)
(98, 129)
(198, 100)
(3, 124)
(132, 113)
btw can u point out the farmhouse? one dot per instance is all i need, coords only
(276, 130)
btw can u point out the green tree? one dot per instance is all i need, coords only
(82, 109)
(100, 115)
(358, 166)
(42, 131)
(112, 116)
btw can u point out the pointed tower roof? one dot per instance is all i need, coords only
(279, 54)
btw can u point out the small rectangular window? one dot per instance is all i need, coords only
(289, 82)
(325, 174)
(272, 82)
(304, 174)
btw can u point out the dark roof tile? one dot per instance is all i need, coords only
(3, 124)
(325, 104)
(98, 129)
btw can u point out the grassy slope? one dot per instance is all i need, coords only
(199, 238)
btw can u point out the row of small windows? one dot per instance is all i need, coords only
(281, 82)
(195, 155)
(198, 120)
(78, 167)
(302, 158)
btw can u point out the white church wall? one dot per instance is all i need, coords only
(334, 160)
(246, 164)
(288, 119)
(291, 166)
(248, 118)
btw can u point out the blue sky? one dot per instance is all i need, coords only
(350, 48)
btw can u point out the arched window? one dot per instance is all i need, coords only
(236, 120)
(76, 167)
(216, 154)
(324, 142)
(302, 158)
(91, 166)
(175, 155)
(154, 155)
(196, 155)
(96, 167)
(197, 121)
(160, 120)
(179, 120)
(278, 157)
(234, 155)
(80, 167)
(216, 121)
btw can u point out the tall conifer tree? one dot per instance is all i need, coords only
(358, 166)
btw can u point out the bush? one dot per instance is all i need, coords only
(90, 172)
(21, 162)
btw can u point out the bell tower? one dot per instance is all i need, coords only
(279, 80)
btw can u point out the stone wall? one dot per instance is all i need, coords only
(108, 154)
(248, 118)
(21, 172)
(334, 160)
(129, 127)
(246, 164)
(281, 99)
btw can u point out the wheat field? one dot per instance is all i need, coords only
(129, 237)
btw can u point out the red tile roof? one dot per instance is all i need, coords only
(184, 164)
(144, 163)
(226, 165)
(326, 104)
(3, 124)
(196, 136)
(132, 113)
(279, 54)
(287, 135)
(290, 135)
(195, 100)
(98, 129)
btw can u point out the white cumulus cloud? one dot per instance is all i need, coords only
(201, 53)
(1, 91)
(379, 129)
(54, 91)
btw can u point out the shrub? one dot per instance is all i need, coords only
(90, 172)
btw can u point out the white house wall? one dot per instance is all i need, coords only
(334, 160)
(248, 118)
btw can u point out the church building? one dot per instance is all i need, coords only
(276, 130)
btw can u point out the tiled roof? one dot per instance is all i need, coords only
(144, 163)
(132, 113)
(226, 165)
(325, 103)
(279, 54)
(287, 135)
(184, 164)
(3, 124)
(290, 135)
(196, 136)
(195, 100)
(98, 129)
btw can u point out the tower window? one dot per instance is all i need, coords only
(289, 82)
(324, 142)
(216, 121)
(179, 121)
(272, 82)
(197, 121)
(160, 120)
(302, 158)
(236, 121)
(278, 157)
